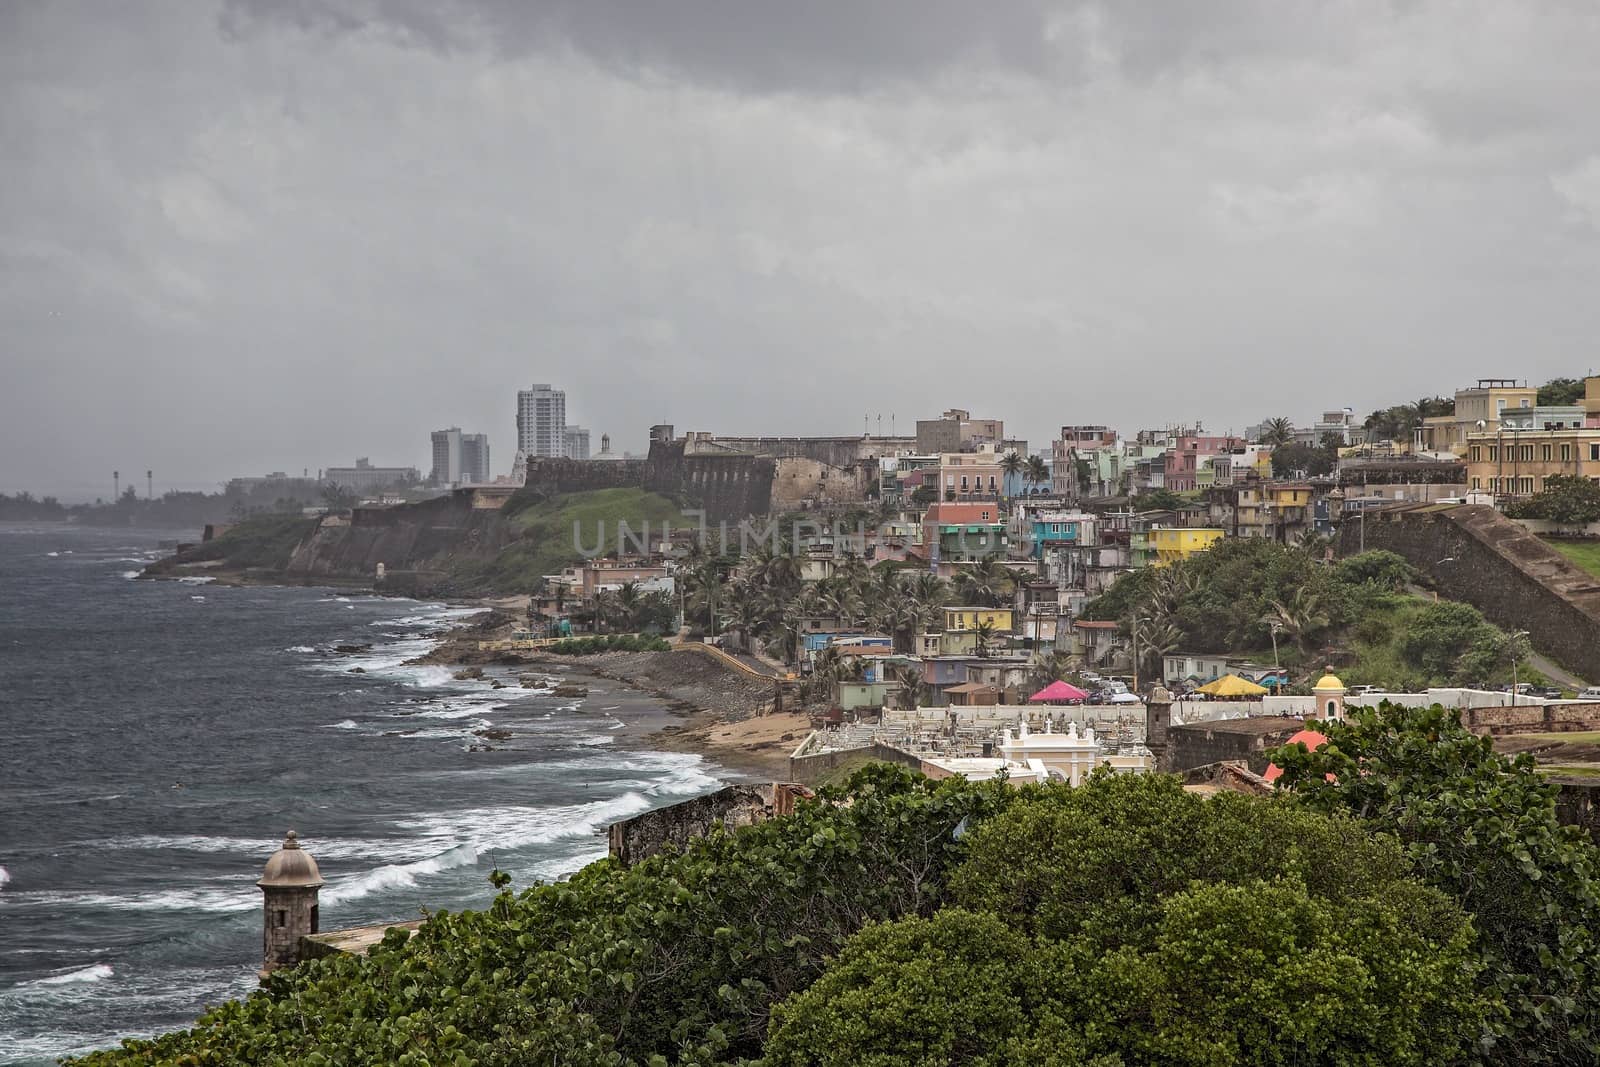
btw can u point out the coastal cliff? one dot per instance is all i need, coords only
(467, 543)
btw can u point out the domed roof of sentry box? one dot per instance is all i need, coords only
(1328, 683)
(291, 867)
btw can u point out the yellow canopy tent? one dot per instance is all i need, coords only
(1231, 685)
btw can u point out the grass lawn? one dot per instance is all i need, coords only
(548, 542)
(1585, 554)
(1586, 737)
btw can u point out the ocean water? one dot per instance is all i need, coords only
(158, 738)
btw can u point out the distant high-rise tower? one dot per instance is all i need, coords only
(542, 421)
(475, 458)
(460, 458)
(575, 442)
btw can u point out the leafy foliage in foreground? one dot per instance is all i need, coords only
(1482, 828)
(906, 921)
(679, 957)
(1130, 922)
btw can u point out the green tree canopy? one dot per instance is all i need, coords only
(1560, 392)
(1483, 829)
(1127, 921)
(1569, 499)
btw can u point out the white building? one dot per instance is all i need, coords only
(365, 478)
(542, 421)
(1066, 757)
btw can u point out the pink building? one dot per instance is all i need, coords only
(1185, 454)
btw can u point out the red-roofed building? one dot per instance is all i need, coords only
(1311, 739)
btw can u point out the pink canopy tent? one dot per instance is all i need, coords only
(1058, 692)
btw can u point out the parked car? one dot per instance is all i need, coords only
(1363, 690)
(1549, 692)
(1591, 693)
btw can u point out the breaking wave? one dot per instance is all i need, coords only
(97, 973)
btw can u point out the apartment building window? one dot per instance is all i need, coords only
(1494, 453)
(1566, 453)
(1527, 454)
(1477, 483)
(963, 483)
(1527, 485)
(1594, 453)
(1545, 452)
(1477, 453)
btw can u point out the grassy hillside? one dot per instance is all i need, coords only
(547, 541)
(263, 542)
(1229, 598)
(1585, 554)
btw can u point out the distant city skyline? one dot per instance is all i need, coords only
(240, 235)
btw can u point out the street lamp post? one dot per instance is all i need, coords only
(1511, 647)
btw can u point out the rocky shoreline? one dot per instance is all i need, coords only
(725, 716)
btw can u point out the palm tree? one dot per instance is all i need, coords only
(1012, 464)
(627, 603)
(1155, 641)
(930, 591)
(1275, 432)
(1037, 472)
(605, 607)
(1049, 665)
(1311, 541)
(706, 584)
(986, 634)
(909, 678)
(1301, 617)
(783, 635)
(984, 584)
(746, 617)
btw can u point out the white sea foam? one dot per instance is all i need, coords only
(484, 829)
(399, 875)
(97, 973)
(454, 709)
(5, 877)
(212, 899)
(196, 579)
(130, 575)
(52, 553)
(300, 648)
(343, 724)
(197, 598)
(322, 848)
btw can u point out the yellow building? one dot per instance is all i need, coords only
(1517, 462)
(1481, 403)
(971, 618)
(1277, 510)
(1173, 544)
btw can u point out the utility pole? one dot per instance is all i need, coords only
(149, 485)
(1511, 643)
(1136, 622)
(116, 486)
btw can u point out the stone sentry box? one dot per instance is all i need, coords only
(289, 886)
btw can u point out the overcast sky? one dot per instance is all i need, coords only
(256, 235)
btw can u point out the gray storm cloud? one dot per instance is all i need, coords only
(259, 236)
